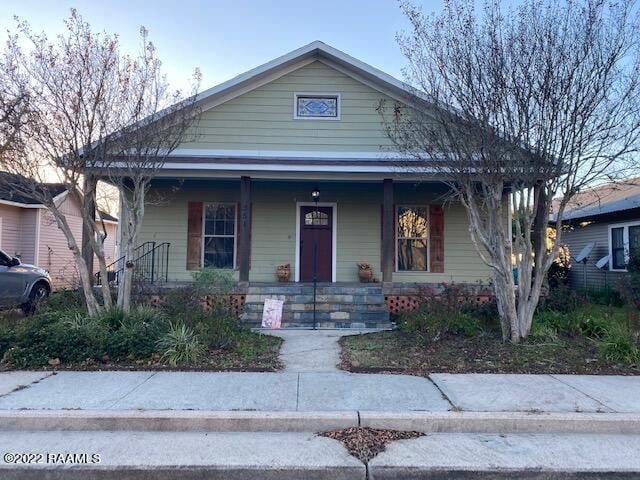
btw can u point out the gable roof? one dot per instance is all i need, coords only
(606, 198)
(316, 50)
(56, 190)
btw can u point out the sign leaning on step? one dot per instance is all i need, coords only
(272, 313)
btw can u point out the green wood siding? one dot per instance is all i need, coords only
(274, 226)
(262, 119)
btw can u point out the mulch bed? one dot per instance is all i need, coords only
(216, 361)
(365, 443)
(402, 353)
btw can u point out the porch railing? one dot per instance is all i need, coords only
(150, 265)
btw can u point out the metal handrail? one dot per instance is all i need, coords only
(151, 263)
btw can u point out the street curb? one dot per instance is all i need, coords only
(503, 422)
(175, 420)
(234, 472)
(410, 473)
(255, 421)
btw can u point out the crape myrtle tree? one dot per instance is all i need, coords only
(513, 108)
(80, 90)
(159, 121)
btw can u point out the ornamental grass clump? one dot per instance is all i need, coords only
(180, 345)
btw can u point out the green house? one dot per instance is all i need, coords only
(307, 123)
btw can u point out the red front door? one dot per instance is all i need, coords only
(316, 234)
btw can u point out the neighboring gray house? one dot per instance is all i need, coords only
(609, 217)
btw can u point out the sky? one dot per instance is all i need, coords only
(226, 38)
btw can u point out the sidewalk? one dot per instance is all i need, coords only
(322, 391)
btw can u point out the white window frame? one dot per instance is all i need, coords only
(235, 232)
(317, 94)
(625, 242)
(397, 238)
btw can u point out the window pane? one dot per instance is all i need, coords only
(412, 255)
(219, 219)
(218, 252)
(617, 238)
(634, 238)
(617, 248)
(618, 259)
(412, 222)
(316, 218)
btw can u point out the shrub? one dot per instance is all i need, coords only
(544, 333)
(630, 283)
(590, 324)
(180, 345)
(212, 282)
(602, 296)
(449, 311)
(220, 329)
(64, 300)
(40, 340)
(620, 345)
(562, 298)
(113, 317)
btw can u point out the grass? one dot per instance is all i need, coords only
(554, 352)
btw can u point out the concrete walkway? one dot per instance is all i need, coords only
(311, 350)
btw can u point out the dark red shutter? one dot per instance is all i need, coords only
(194, 235)
(436, 238)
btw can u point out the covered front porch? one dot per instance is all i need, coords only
(250, 226)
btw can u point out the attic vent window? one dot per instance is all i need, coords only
(317, 106)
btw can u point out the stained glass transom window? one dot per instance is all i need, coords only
(309, 106)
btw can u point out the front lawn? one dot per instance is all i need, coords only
(591, 339)
(178, 334)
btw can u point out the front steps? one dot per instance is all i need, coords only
(350, 305)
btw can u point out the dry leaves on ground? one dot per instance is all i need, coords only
(365, 443)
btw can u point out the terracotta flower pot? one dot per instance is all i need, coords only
(284, 272)
(365, 273)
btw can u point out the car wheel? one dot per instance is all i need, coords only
(39, 292)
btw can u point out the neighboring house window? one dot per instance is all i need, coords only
(623, 238)
(412, 243)
(219, 235)
(317, 106)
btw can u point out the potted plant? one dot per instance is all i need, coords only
(365, 272)
(284, 272)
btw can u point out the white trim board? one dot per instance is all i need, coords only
(36, 254)
(290, 154)
(334, 237)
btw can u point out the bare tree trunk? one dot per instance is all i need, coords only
(133, 209)
(98, 248)
(88, 214)
(93, 307)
